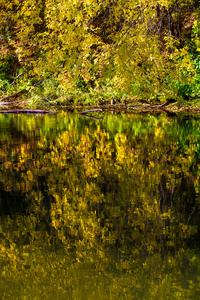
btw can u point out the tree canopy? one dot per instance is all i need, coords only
(118, 48)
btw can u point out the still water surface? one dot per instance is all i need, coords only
(99, 209)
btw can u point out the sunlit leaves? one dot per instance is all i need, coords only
(124, 43)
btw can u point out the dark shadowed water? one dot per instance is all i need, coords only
(99, 209)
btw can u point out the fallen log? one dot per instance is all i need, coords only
(92, 110)
(27, 111)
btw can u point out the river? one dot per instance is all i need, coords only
(104, 208)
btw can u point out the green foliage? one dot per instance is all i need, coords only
(6, 71)
(196, 33)
(3, 82)
(189, 90)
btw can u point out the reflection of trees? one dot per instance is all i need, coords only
(181, 196)
(124, 188)
(115, 196)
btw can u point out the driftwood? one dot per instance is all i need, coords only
(27, 111)
(92, 110)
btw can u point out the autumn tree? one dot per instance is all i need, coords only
(91, 46)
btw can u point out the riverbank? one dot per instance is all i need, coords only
(137, 108)
(16, 102)
(143, 107)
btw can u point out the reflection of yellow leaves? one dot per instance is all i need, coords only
(29, 175)
(23, 150)
(99, 188)
(7, 165)
(158, 132)
(166, 215)
(121, 145)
